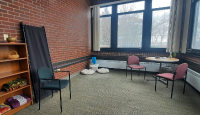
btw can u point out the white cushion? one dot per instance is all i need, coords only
(87, 71)
(103, 70)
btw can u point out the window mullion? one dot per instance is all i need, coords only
(114, 20)
(147, 22)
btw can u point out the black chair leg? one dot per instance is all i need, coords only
(184, 86)
(60, 101)
(39, 98)
(167, 83)
(131, 73)
(70, 89)
(52, 93)
(139, 73)
(126, 71)
(172, 88)
(144, 72)
(155, 82)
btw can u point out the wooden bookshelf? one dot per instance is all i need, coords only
(11, 69)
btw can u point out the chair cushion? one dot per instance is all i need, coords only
(103, 70)
(87, 71)
(136, 66)
(54, 84)
(166, 75)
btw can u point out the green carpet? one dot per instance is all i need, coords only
(116, 94)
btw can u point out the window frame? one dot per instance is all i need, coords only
(191, 29)
(146, 30)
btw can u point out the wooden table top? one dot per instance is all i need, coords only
(162, 59)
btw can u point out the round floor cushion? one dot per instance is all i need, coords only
(87, 71)
(103, 70)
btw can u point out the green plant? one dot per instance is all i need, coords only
(174, 55)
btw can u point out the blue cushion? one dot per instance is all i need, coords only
(54, 84)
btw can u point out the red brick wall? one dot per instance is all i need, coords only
(67, 24)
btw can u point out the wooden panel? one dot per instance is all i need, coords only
(9, 66)
(5, 50)
(26, 91)
(23, 65)
(22, 51)
(5, 80)
(12, 93)
(11, 73)
(7, 60)
(18, 108)
(4, 93)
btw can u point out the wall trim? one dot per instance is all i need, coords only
(70, 62)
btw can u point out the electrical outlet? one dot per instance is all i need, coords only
(5, 37)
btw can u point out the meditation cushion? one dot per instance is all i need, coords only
(103, 70)
(87, 71)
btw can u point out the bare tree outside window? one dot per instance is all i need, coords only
(130, 30)
(105, 27)
(130, 7)
(105, 32)
(130, 25)
(106, 10)
(159, 31)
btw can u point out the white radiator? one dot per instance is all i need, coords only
(193, 78)
(150, 66)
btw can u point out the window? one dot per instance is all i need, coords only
(193, 43)
(196, 28)
(160, 23)
(130, 25)
(140, 25)
(105, 27)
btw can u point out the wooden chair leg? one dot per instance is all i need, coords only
(172, 88)
(52, 93)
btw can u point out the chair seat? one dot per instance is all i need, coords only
(166, 75)
(136, 66)
(54, 84)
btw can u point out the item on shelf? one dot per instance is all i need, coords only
(87, 71)
(4, 108)
(103, 70)
(14, 84)
(17, 101)
(12, 39)
(13, 55)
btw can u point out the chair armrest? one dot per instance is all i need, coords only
(62, 71)
(48, 79)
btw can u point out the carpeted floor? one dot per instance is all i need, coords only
(116, 94)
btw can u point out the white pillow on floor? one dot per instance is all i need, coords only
(103, 70)
(87, 71)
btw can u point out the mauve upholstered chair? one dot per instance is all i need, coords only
(179, 73)
(134, 63)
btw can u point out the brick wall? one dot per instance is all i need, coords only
(67, 24)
